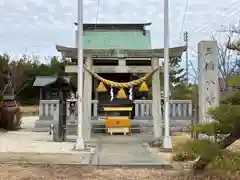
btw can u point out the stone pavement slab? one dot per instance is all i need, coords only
(125, 153)
(45, 158)
(39, 148)
(28, 122)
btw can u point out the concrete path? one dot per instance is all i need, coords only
(117, 150)
(39, 148)
(125, 151)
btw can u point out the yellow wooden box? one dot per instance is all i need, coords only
(117, 121)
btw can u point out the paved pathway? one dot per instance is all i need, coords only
(125, 151)
(110, 150)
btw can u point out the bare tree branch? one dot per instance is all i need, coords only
(226, 56)
(194, 69)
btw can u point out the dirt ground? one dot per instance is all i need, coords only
(40, 172)
(25, 109)
(29, 110)
(57, 172)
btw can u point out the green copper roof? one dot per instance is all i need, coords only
(117, 39)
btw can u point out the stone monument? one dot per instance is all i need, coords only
(208, 79)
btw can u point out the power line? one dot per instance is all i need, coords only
(97, 13)
(184, 17)
(236, 10)
(218, 13)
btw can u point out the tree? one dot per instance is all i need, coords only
(226, 123)
(176, 76)
(179, 89)
(185, 92)
(4, 60)
(228, 59)
(22, 74)
(177, 73)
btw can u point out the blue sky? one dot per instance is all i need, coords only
(36, 26)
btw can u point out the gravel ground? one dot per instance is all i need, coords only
(56, 172)
(40, 172)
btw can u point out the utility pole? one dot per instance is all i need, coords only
(185, 37)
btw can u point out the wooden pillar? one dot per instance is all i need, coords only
(95, 82)
(87, 97)
(41, 94)
(40, 104)
(156, 102)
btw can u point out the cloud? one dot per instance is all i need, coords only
(25, 23)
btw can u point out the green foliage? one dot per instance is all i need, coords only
(234, 81)
(184, 92)
(224, 127)
(208, 129)
(222, 159)
(176, 77)
(192, 149)
(226, 116)
(177, 74)
(227, 161)
(179, 90)
(232, 98)
(23, 72)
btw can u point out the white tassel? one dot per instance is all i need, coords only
(130, 94)
(111, 94)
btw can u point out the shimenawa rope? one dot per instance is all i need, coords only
(123, 84)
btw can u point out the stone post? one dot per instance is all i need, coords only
(208, 79)
(156, 102)
(87, 98)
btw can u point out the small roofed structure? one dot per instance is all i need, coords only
(49, 86)
(61, 88)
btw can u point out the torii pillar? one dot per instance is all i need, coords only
(156, 101)
(87, 98)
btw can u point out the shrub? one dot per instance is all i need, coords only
(192, 149)
(222, 159)
(225, 127)
(228, 161)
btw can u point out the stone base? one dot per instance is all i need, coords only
(79, 144)
(42, 125)
(167, 142)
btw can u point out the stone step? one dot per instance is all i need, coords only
(42, 129)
